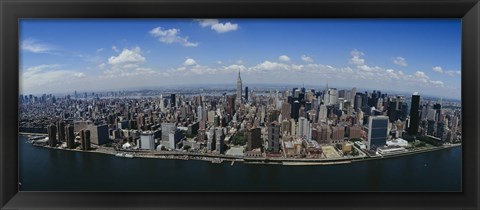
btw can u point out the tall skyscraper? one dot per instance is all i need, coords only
(253, 138)
(172, 100)
(220, 137)
(52, 135)
(358, 102)
(246, 93)
(377, 131)
(85, 139)
(70, 136)
(274, 137)
(295, 110)
(239, 88)
(414, 118)
(303, 129)
(61, 130)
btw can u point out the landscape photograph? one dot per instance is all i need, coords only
(275, 105)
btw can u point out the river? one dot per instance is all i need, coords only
(43, 169)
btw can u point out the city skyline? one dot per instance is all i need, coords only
(405, 55)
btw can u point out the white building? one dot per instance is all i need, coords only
(146, 141)
(397, 142)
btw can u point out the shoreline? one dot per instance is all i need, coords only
(219, 158)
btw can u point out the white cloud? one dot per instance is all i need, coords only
(234, 68)
(32, 45)
(128, 57)
(437, 69)
(36, 77)
(127, 63)
(451, 73)
(307, 59)
(458, 72)
(239, 62)
(99, 49)
(79, 74)
(283, 58)
(268, 66)
(356, 58)
(400, 61)
(170, 36)
(207, 22)
(215, 25)
(189, 62)
(219, 62)
(114, 48)
(421, 74)
(437, 83)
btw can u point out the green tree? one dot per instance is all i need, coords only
(239, 139)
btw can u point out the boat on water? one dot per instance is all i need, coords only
(125, 155)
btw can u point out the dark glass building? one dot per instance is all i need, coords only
(377, 131)
(414, 116)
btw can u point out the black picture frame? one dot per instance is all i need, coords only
(11, 11)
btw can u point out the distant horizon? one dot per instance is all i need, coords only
(233, 87)
(406, 55)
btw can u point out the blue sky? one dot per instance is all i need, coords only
(415, 55)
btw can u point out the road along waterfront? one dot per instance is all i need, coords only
(218, 158)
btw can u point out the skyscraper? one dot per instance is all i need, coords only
(61, 130)
(377, 131)
(52, 135)
(239, 88)
(70, 136)
(85, 139)
(172, 100)
(413, 128)
(253, 138)
(246, 93)
(274, 137)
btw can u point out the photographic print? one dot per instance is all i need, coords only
(276, 105)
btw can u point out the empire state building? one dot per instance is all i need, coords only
(239, 88)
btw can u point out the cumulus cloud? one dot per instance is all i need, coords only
(437, 69)
(127, 63)
(283, 58)
(356, 58)
(34, 46)
(307, 59)
(189, 62)
(114, 48)
(215, 25)
(400, 61)
(128, 57)
(421, 76)
(269, 66)
(170, 36)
